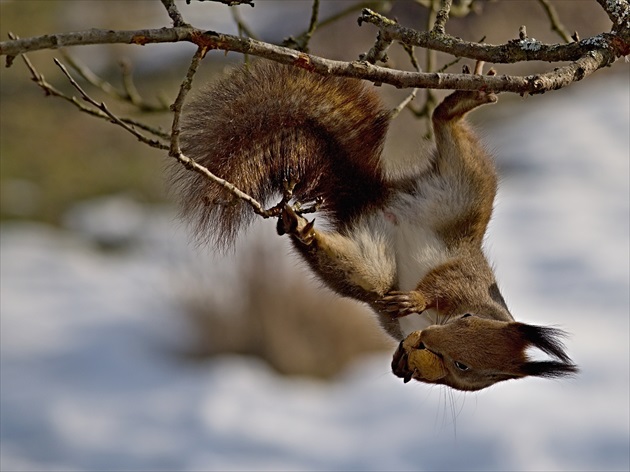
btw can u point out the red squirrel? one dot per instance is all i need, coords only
(407, 243)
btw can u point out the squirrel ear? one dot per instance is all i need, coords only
(548, 340)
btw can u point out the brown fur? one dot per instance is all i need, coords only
(403, 246)
(268, 123)
(497, 353)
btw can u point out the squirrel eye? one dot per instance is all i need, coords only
(460, 366)
(466, 315)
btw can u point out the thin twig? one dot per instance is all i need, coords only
(178, 104)
(173, 13)
(132, 94)
(442, 16)
(91, 77)
(556, 24)
(113, 118)
(241, 25)
(229, 3)
(312, 25)
(301, 43)
(401, 106)
(433, 24)
(129, 94)
(54, 92)
(351, 9)
(378, 52)
(409, 98)
(449, 64)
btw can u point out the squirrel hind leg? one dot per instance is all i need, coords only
(460, 102)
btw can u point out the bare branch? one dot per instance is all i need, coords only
(618, 11)
(442, 16)
(588, 54)
(401, 106)
(556, 24)
(103, 112)
(174, 13)
(129, 94)
(301, 43)
(511, 52)
(229, 3)
(312, 25)
(383, 5)
(91, 77)
(112, 117)
(178, 104)
(54, 92)
(378, 52)
(409, 98)
(96, 36)
(598, 52)
(190, 164)
(240, 24)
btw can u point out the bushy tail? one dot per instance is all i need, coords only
(269, 122)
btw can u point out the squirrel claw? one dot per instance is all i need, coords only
(399, 364)
(290, 222)
(400, 304)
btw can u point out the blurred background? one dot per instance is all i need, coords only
(128, 346)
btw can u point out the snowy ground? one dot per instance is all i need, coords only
(86, 384)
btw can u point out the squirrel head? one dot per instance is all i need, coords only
(472, 353)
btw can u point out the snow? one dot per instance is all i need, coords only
(87, 383)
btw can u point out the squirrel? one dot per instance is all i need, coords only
(407, 243)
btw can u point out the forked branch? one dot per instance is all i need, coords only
(584, 57)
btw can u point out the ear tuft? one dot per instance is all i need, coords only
(546, 339)
(549, 369)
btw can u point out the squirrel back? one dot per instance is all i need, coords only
(267, 124)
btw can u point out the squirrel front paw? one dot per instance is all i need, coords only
(290, 222)
(400, 304)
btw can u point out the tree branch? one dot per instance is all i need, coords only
(129, 93)
(556, 24)
(589, 55)
(112, 117)
(585, 57)
(618, 11)
(52, 91)
(229, 3)
(508, 53)
(174, 13)
(442, 16)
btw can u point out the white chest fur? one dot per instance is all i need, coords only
(418, 250)
(417, 247)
